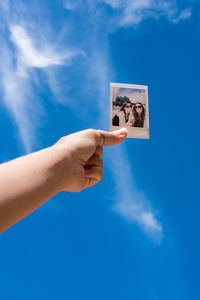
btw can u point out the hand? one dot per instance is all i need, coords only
(81, 165)
(72, 164)
(132, 120)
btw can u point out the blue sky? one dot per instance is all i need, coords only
(135, 235)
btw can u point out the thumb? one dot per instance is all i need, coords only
(114, 137)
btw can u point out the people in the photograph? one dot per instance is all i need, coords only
(138, 117)
(123, 117)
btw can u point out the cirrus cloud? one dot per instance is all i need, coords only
(131, 12)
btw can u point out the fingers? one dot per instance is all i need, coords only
(95, 160)
(90, 182)
(94, 172)
(99, 151)
(94, 167)
(111, 138)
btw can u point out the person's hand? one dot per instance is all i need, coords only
(81, 165)
(72, 164)
(132, 120)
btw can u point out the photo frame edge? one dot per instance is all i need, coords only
(133, 86)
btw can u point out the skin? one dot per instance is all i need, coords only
(132, 118)
(139, 111)
(128, 109)
(72, 164)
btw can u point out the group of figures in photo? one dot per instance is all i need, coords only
(128, 113)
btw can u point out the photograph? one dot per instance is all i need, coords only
(129, 108)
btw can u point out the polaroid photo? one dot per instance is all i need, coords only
(129, 108)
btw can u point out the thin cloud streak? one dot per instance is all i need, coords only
(18, 68)
(133, 12)
(184, 15)
(31, 56)
(130, 13)
(16, 90)
(129, 202)
(31, 53)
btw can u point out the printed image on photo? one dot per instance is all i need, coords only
(129, 108)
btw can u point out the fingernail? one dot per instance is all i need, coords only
(123, 131)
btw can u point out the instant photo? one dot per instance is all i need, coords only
(129, 108)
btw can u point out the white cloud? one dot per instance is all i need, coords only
(129, 202)
(132, 12)
(184, 15)
(39, 57)
(17, 71)
(113, 3)
(149, 222)
(136, 209)
(33, 53)
(70, 5)
(16, 93)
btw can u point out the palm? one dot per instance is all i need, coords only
(85, 156)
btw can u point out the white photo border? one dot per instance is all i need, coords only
(133, 132)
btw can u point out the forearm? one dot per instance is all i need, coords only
(28, 182)
(132, 120)
(72, 164)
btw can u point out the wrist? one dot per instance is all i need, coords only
(61, 167)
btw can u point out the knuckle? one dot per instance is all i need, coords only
(94, 134)
(91, 131)
(101, 175)
(101, 164)
(100, 150)
(61, 140)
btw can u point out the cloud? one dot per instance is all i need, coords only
(130, 202)
(139, 214)
(183, 15)
(22, 53)
(32, 56)
(16, 92)
(131, 12)
(71, 5)
(29, 50)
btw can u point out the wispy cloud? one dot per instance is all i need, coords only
(71, 5)
(130, 202)
(134, 12)
(183, 15)
(22, 53)
(31, 52)
(131, 13)
(26, 51)
(16, 91)
(42, 56)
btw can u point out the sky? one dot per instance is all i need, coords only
(134, 95)
(135, 235)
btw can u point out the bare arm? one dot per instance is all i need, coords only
(72, 164)
(132, 120)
